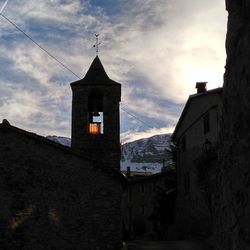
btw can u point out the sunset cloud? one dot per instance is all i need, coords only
(157, 50)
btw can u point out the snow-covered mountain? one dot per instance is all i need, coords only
(145, 155)
(59, 139)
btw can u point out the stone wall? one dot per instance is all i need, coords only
(232, 220)
(53, 199)
(96, 91)
(193, 215)
(194, 206)
(106, 146)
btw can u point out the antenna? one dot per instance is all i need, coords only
(4, 5)
(97, 43)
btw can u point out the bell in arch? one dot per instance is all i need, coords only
(95, 112)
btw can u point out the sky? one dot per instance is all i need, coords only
(157, 50)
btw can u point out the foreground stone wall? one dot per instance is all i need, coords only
(232, 220)
(53, 199)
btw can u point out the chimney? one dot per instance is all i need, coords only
(201, 87)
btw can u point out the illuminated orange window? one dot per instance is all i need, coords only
(95, 128)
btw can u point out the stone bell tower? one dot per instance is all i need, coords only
(95, 128)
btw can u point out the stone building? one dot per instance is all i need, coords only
(147, 200)
(196, 136)
(57, 197)
(96, 116)
(232, 218)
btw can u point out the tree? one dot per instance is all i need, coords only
(172, 153)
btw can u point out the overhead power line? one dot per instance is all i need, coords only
(135, 117)
(58, 61)
(47, 52)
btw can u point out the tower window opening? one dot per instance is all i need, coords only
(95, 113)
(95, 123)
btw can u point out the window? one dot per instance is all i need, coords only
(95, 123)
(206, 123)
(142, 209)
(183, 143)
(186, 182)
(95, 114)
(142, 188)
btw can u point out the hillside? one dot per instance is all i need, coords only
(145, 154)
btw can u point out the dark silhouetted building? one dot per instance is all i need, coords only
(96, 116)
(57, 197)
(197, 136)
(148, 205)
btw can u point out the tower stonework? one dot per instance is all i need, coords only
(95, 128)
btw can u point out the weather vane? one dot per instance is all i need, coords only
(96, 43)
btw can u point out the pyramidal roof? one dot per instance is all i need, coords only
(96, 75)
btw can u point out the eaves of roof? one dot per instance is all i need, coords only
(98, 164)
(134, 180)
(190, 99)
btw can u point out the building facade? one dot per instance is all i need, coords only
(196, 136)
(146, 202)
(232, 217)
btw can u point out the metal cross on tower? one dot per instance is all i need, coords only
(97, 43)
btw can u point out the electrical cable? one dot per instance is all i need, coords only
(63, 65)
(48, 53)
(135, 117)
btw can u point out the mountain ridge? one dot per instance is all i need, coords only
(142, 155)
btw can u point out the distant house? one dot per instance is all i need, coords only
(196, 135)
(130, 173)
(57, 197)
(145, 199)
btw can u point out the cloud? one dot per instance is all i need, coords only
(157, 50)
(129, 136)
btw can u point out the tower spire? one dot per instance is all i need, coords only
(96, 116)
(96, 46)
